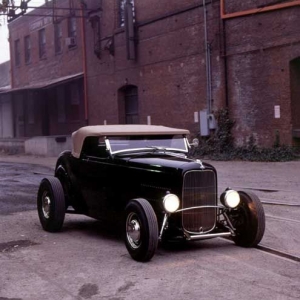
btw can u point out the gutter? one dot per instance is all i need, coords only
(255, 10)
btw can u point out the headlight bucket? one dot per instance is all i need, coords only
(171, 203)
(230, 198)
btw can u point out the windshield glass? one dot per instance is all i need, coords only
(155, 142)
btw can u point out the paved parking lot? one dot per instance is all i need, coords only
(88, 261)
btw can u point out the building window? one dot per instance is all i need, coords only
(131, 105)
(17, 53)
(42, 43)
(58, 38)
(72, 32)
(122, 11)
(27, 48)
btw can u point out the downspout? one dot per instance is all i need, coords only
(207, 63)
(225, 63)
(85, 83)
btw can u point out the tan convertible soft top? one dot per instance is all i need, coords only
(118, 130)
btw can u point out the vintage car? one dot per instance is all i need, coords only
(142, 176)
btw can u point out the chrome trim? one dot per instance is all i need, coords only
(46, 205)
(147, 150)
(230, 226)
(133, 230)
(163, 226)
(206, 236)
(198, 207)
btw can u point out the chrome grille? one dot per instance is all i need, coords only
(199, 189)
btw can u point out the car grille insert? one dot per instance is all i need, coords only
(199, 189)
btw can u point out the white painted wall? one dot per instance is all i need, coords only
(6, 117)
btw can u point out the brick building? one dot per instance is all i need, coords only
(177, 59)
(159, 62)
(47, 70)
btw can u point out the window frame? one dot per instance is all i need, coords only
(131, 105)
(121, 12)
(72, 30)
(58, 46)
(27, 49)
(42, 43)
(17, 52)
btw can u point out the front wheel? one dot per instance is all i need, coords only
(141, 230)
(51, 204)
(249, 220)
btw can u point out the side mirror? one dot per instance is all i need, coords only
(195, 143)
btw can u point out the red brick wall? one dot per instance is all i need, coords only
(170, 67)
(260, 48)
(53, 66)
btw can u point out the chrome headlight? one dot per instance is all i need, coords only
(230, 198)
(171, 203)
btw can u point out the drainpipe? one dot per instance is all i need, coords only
(225, 63)
(207, 62)
(85, 84)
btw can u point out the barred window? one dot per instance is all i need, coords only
(131, 105)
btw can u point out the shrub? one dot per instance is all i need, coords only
(220, 146)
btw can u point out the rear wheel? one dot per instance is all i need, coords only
(141, 230)
(249, 220)
(51, 204)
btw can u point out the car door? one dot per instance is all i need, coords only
(92, 176)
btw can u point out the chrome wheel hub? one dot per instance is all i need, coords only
(133, 230)
(46, 203)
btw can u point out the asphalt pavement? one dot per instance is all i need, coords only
(276, 184)
(85, 261)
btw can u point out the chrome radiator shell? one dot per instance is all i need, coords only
(199, 189)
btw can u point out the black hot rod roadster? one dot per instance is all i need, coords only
(142, 175)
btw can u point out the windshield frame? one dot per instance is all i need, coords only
(148, 148)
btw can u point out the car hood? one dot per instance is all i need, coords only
(164, 163)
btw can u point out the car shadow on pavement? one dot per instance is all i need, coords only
(113, 232)
(94, 228)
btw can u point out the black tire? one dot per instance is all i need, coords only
(61, 174)
(249, 220)
(141, 230)
(51, 204)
